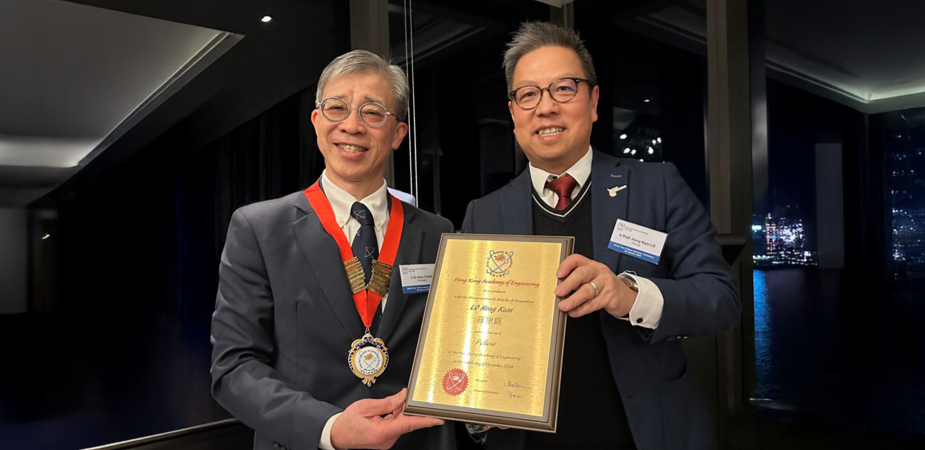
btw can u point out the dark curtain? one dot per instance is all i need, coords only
(126, 352)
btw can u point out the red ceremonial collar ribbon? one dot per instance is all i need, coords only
(366, 301)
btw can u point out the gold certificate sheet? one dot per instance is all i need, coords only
(491, 344)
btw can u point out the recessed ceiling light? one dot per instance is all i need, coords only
(646, 100)
(623, 136)
(266, 19)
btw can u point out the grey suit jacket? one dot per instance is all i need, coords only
(664, 407)
(284, 321)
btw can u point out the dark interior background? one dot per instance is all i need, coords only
(116, 341)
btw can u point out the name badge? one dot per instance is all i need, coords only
(416, 278)
(637, 241)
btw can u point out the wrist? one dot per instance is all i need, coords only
(629, 281)
(633, 286)
(334, 435)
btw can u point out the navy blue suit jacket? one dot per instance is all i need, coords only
(664, 407)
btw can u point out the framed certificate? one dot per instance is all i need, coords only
(491, 344)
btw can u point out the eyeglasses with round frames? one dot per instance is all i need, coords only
(371, 113)
(562, 90)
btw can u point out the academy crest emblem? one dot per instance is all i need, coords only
(499, 262)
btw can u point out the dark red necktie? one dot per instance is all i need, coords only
(563, 187)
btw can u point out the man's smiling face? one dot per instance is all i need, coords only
(553, 135)
(354, 152)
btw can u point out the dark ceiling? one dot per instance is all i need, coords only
(273, 61)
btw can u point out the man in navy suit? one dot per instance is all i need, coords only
(303, 284)
(625, 383)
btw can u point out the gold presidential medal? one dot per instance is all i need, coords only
(368, 358)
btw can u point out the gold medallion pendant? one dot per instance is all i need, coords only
(368, 358)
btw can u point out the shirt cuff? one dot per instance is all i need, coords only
(647, 311)
(325, 443)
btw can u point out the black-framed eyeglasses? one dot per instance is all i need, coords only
(562, 90)
(371, 113)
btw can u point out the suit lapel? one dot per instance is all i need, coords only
(517, 215)
(607, 173)
(322, 254)
(409, 252)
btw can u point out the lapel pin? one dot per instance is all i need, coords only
(613, 191)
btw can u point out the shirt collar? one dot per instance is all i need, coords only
(342, 201)
(580, 171)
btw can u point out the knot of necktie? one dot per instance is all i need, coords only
(365, 245)
(563, 187)
(362, 214)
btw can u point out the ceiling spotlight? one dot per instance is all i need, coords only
(647, 100)
(651, 150)
(659, 140)
(266, 19)
(654, 142)
(642, 160)
(633, 152)
(626, 150)
(623, 136)
(46, 237)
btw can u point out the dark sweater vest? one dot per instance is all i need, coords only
(591, 413)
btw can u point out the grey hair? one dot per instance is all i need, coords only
(533, 35)
(363, 62)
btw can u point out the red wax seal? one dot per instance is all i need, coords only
(455, 382)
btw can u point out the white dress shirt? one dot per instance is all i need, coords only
(341, 202)
(649, 301)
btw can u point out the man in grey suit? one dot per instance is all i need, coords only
(625, 383)
(313, 337)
